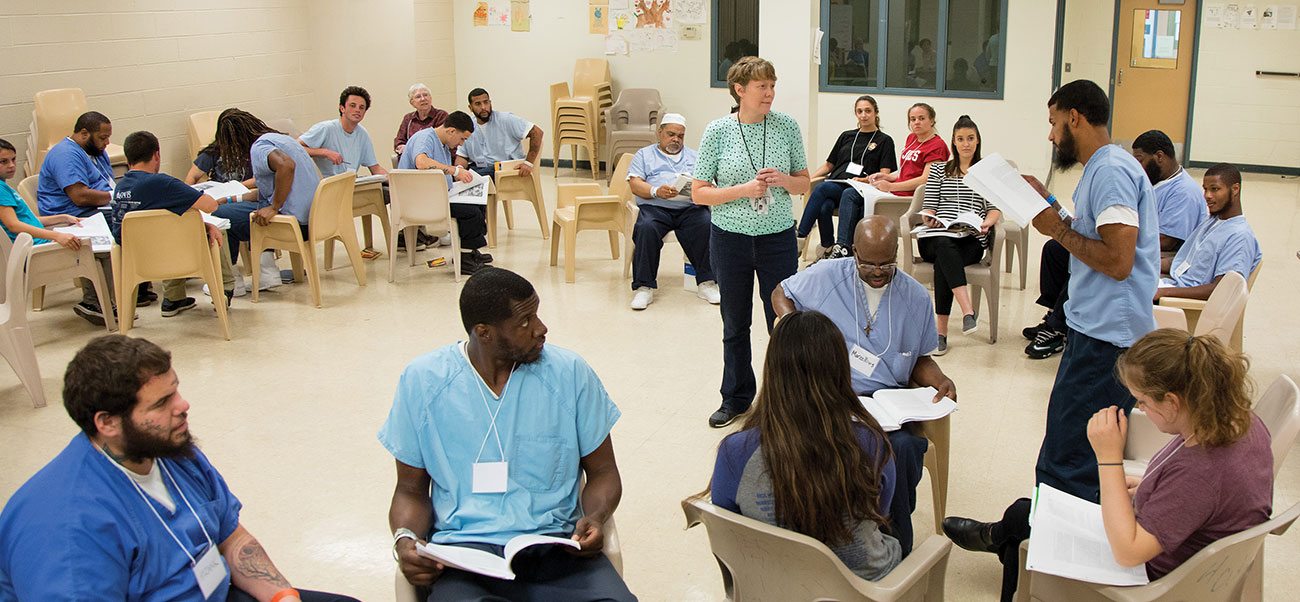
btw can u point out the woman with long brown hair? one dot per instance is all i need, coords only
(809, 457)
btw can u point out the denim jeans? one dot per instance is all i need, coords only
(820, 209)
(737, 259)
(851, 212)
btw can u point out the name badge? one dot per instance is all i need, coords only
(210, 572)
(854, 168)
(1182, 268)
(862, 360)
(490, 477)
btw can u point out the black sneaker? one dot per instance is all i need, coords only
(837, 251)
(481, 256)
(1031, 332)
(723, 417)
(229, 295)
(470, 264)
(1047, 343)
(90, 312)
(171, 308)
(145, 297)
(424, 241)
(401, 242)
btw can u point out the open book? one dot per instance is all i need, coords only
(487, 563)
(894, 407)
(217, 190)
(94, 228)
(951, 227)
(869, 193)
(473, 193)
(683, 184)
(363, 180)
(1069, 540)
(996, 180)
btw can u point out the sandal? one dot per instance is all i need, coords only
(369, 254)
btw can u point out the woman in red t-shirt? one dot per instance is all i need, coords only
(922, 147)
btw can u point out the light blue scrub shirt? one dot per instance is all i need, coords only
(500, 139)
(1180, 204)
(658, 169)
(305, 175)
(554, 412)
(425, 142)
(67, 164)
(78, 530)
(904, 328)
(1215, 248)
(1115, 311)
(356, 148)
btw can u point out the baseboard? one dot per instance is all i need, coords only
(1250, 168)
(568, 164)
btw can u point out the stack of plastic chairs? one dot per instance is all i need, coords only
(630, 123)
(54, 113)
(577, 117)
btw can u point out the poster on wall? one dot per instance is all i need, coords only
(1231, 15)
(520, 15)
(689, 11)
(1249, 17)
(499, 13)
(1286, 16)
(598, 18)
(657, 14)
(1214, 16)
(1268, 18)
(481, 15)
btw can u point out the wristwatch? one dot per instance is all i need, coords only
(400, 534)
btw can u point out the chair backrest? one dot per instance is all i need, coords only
(202, 130)
(17, 255)
(1278, 409)
(27, 190)
(512, 186)
(160, 245)
(618, 180)
(56, 112)
(559, 91)
(283, 125)
(638, 108)
(331, 208)
(1224, 308)
(587, 73)
(418, 196)
(1169, 317)
(1250, 281)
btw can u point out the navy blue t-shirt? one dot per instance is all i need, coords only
(140, 190)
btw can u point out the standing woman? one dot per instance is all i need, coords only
(922, 147)
(946, 197)
(749, 164)
(857, 153)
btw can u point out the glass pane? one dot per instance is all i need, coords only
(974, 45)
(851, 56)
(1160, 34)
(735, 30)
(913, 29)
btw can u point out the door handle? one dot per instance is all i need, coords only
(1120, 81)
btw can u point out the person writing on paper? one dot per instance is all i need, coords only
(286, 184)
(424, 116)
(214, 165)
(749, 165)
(1224, 243)
(857, 153)
(776, 469)
(76, 177)
(922, 147)
(431, 149)
(143, 188)
(16, 217)
(497, 137)
(1179, 203)
(343, 144)
(131, 509)
(948, 197)
(502, 427)
(653, 176)
(886, 321)
(1213, 479)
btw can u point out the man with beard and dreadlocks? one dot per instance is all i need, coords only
(131, 509)
(209, 163)
(1114, 245)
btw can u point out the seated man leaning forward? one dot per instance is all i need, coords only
(131, 509)
(653, 177)
(497, 136)
(888, 324)
(504, 455)
(343, 144)
(1221, 244)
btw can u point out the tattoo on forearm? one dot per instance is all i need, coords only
(253, 563)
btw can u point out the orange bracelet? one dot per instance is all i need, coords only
(285, 593)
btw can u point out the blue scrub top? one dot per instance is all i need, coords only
(658, 169)
(554, 412)
(500, 139)
(904, 327)
(1180, 204)
(1115, 311)
(78, 530)
(67, 164)
(305, 175)
(426, 142)
(1216, 248)
(10, 198)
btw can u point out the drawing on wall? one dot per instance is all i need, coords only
(598, 18)
(499, 13)
(689, 11)
(1286, 16)
(481, 15)
(520, 15)
(652, 13)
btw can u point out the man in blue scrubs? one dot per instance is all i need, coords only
(496, 137)
(76, 177)
(1224, 243)
(431, 149)
(887, 320)
(1179, 204)
(503, 427)
(131, 509)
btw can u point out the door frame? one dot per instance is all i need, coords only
(1191, 87)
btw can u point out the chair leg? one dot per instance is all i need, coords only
(38, 298)
(570, 252)
(628, 248)
(384, 225)
(455, 251)
(595, 161)
(993, 314)
(354, 255)
(541, 213)
(939, 432)
(255, 272)
(555, 243)
(296, 263)
(509, 208)
(329, 254)
(613, 244)
(366, 234)
(308, 259)
(392, 257)
(100, 282)
(212, 275)
(492, 221)
(1022, 250)
(411, 233)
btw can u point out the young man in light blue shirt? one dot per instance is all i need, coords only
(497, 137)
(502, 428)
(76, 177)
(1224, 243)
(343, 144)
(1179, 201)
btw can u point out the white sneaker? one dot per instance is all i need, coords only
(643, 297)
(269, 272)
(445, 239)
(709, 292)
(241, 287)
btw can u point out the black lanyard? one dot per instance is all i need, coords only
(746, 143)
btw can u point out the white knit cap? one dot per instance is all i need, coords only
(670, 118)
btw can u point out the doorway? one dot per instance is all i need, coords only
(1152, 74)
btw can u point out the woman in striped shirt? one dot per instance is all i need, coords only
(947, 197)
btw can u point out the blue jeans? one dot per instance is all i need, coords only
(737, 259)
(239, 231)
(820, 209)
(850, 214)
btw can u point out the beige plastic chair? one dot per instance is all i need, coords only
(15, 338)
(984, 276)
(27, 190)
(1196, 308)
(1017, 247)
(574, 123)
(367, 202)
(419, 198)
(584, 207)
(631, 122)
(160, 245)
(760, 562)
(330, 218)
(54, 114)
(1228, 570)
(936, 460)
(1169, 317)
(202, 130)
(509, 186)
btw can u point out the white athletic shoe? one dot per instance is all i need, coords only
(709, 292)
(270, 272)
(643, 297)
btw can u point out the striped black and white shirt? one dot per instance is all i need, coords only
(949, 197)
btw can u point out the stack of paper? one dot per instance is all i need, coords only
(1000, 183)
(894, 407)
(218, 190)
(363, 180)
(869, 193)
(220, 222)
(1069, 540)
(94, 228)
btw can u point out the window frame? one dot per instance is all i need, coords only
(881, 47)
(714, 56)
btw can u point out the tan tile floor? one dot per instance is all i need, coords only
(288, 410)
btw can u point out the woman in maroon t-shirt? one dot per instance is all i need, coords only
(922, 147)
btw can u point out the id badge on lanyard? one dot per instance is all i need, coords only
(854, 168)
(763, 203)
(209, 571)
(863, 361)
(491, 477)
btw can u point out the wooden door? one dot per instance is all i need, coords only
(1153, 68)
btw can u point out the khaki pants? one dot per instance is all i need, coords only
(174, 290)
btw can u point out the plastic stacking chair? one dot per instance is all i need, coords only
(367, 203)
(54, 114)
(631, 122)
(584, 207)
(573, 121)
(1169, 317)
(1195, 309)
(984, 276)
(15, 338)
(202, 130)
(330, 218)
(419, 198)
(760, 562)
(1230, 569)
(160, 245)
(27, 190)
(509, 186)
(1017, 246)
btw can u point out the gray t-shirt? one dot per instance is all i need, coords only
(355, 147)
(497, 140)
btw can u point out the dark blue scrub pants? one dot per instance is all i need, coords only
(653, 223)
(909, 458)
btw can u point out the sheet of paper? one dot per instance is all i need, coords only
(888, 422)
(598, 18)
(1000, 183)
(615, 44)
(817, 47)
(521, 18)
(472, 193)
(372, 178)
(869, 193)
(1286, 16)
(94, 228)
(1249, 17)
(468, 559)
(1214, 16)
(481, 15)
(1268, 19)
(1069, 540)
(498, 13)
(689, 11)
(220, 222)
(1231, 15)
(915, 405)
(218, 190)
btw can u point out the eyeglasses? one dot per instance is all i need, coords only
(884, 267)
